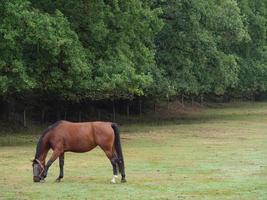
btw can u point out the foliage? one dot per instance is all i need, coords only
(194, 46)
(94, 50)
(119, 35)
(40, 52)
(253, 53)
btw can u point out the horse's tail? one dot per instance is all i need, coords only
(118, 148)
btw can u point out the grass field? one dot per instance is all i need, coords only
(213, 153)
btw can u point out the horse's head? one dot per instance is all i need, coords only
(38, 170)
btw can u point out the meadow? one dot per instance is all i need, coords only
(218, 152)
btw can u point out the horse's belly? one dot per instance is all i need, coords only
(81, 147)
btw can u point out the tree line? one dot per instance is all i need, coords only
(67, 52)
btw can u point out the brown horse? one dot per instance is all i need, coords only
(66, 136)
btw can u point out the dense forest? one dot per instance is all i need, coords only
(65, 58)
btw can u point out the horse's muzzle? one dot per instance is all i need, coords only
(36, 179)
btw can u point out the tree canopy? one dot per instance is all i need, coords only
(122, 49)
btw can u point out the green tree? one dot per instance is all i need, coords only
(120, 35)
(253, 52)
(195, 45)
(40, 52)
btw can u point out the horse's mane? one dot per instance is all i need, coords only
(39, 144)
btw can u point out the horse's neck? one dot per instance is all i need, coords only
(43, 152)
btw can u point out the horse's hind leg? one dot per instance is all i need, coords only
(121, 169)
(113, 159)
(114, 165)
(61, 166)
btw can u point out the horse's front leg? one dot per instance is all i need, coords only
(54, 156)
(61, 166)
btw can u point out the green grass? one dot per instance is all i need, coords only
(214, 153)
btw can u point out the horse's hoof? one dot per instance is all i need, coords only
(42, 181)
(123, 181)
(58, 180)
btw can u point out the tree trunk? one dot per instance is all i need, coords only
(80, 116)
(182, 100)
(65, 115)
(24, 119)
(99, 115)
(253, 97)
(58, 115)
(201, 100)
(168, 103)
(8, 114)
(114, 110)
(140, 107)
(43, 115)
(128, 108)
